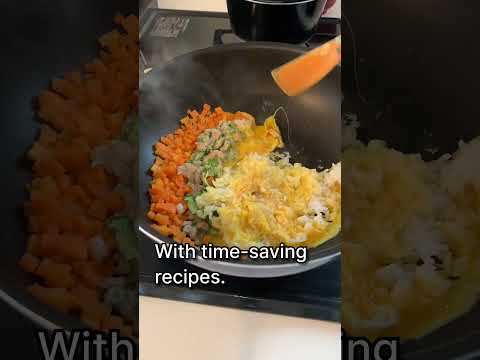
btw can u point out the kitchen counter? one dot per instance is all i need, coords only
(181, 331)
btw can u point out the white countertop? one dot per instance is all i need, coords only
(221, 6)
(184, 331)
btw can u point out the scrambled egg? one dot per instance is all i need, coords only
(409, 240)
(262, 201)
(260, 139)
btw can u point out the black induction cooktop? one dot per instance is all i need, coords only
(313, 294)
(165, 34)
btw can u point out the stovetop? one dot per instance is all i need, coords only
(314, 294)
(165, 34)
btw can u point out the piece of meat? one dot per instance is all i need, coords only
(202, 225)
(211, 136)
(196, 182)
(193, 175)
(201, 146)
(215, 135)
(215, 154)
(187, 170)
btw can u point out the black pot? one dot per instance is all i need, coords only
(290, 21)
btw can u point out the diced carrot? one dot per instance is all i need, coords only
(161, 219)
(88, 274)
(167, 207)
(84, 295)
(78, 193)
(89, 227)
(106, 269)
(189, 241)
(33, 244)
(114, 202)
(119, 18)
(33, 225)
(74, 77)
(130, 24)
(63, 182)
(93, 88)
(113, 322)
(55, 275)
(97, 67)
(48, 136)
(177, 220)
(98, 210)
(171, 170)
(168, 188)
(160, 147)
(96, 312)
(69, 200)
(126, 331)
(91, 321)
(193, 113)
(29, 263)
(89, 302)
(162, 229)
(58, 298)
(48, 167)
(175, 231)
(74, 158)
(51, 109)
(65, 88)
(67, 245)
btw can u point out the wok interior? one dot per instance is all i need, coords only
(237, 78)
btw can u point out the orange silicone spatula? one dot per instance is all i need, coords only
(305, 71)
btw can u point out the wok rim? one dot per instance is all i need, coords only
(27, 312)
(298, 48)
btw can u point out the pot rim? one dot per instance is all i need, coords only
(280, 2)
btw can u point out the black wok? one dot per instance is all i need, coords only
(41, 40)
(237, 77)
